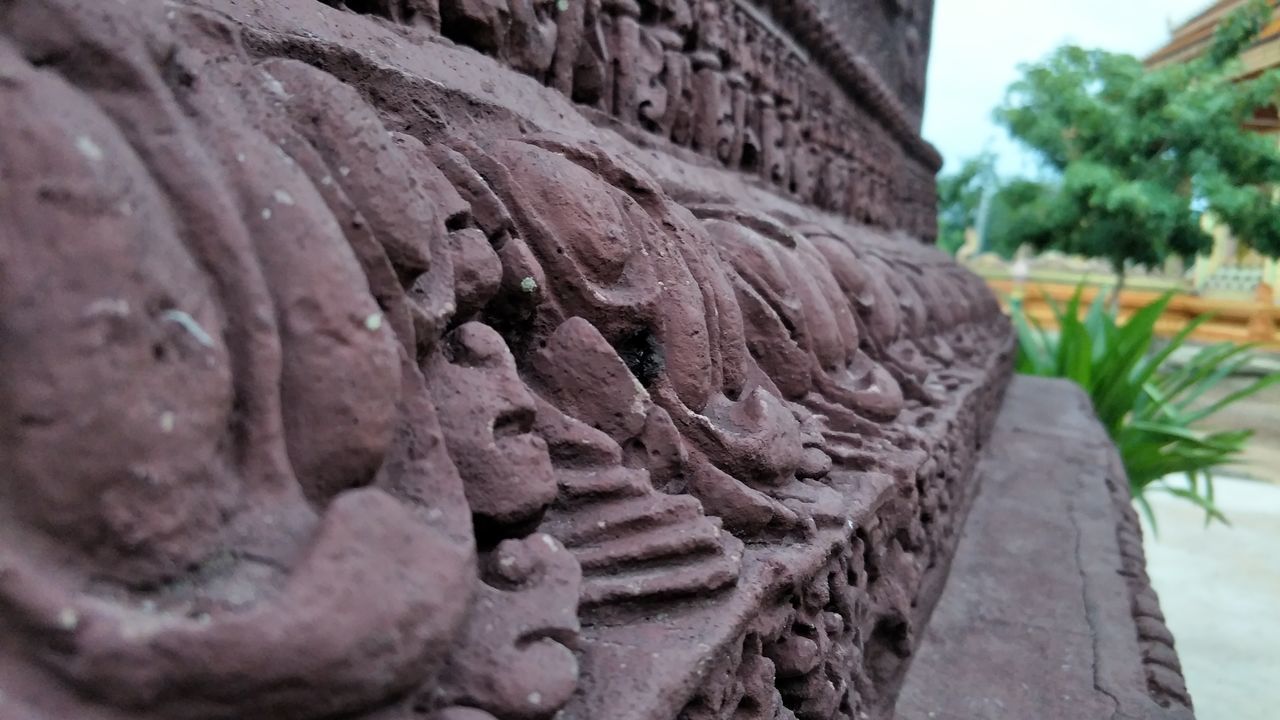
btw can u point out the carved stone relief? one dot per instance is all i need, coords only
(719, 77)
(310, 414)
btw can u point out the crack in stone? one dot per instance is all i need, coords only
(1084, 597)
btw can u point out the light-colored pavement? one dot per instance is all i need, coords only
(1220, 587)
(1261, 413)
(1220, 592)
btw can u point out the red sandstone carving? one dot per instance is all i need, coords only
(314, 408)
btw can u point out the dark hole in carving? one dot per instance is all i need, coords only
(516, 421)
(370, 7)
(748, 707)
(52, 58)
(490, 531)
(869, 565)
(614, 102)
(888, 646)
(646, 121)
(750, 158)
(457, 221)
(177, 75)
(466, 29)
(643, 355)
(805, 630)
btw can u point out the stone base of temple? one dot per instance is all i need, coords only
(1048, 612)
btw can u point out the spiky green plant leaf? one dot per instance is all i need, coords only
(1149, 405)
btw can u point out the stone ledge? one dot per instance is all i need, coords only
(1048, 612)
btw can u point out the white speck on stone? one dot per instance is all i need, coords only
(550, 542)
(275, 86)
(189, 324)
(148, 606)
(507, 561)
(171, 15)
(88, 148)
(344, 171)
(600, 524)
(266, 213)
(528, 284)
(373, 322)
(204, 618)
(68, 618)
(116, 307)
(239, 157)
(327, 180)
(434, 514)
(535, 698)
(167, 421)
(282, 197)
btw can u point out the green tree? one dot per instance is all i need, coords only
(1137, 155)
(960, 198)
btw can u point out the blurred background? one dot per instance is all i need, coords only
(1111, 169)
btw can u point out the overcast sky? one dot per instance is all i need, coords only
(978, 44)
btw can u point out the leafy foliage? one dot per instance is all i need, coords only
(1148, 406)
(1137, 155)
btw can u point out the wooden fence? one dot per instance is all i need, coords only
(1253, 320)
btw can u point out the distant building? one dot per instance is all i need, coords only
(1231, 267)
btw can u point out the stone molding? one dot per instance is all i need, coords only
(772, 89)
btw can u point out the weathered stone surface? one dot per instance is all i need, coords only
(346, 371)
(1049, 612)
